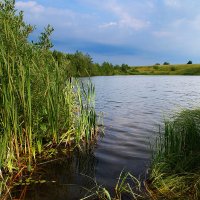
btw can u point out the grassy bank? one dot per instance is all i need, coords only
(175, 169)
(40, 107)
(181, 69)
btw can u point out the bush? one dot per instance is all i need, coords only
(155, 67)
(166, 63)
(173, 68)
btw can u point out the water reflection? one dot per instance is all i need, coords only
(66, 178)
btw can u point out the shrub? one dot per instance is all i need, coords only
(166, 63)
(173, 68)
(155, 67)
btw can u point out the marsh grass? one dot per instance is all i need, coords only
(40, 107)
(175, 170)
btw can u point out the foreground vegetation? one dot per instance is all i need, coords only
(175, 169)
(41, 108)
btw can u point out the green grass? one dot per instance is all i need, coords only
(175, 170)
(181, 69)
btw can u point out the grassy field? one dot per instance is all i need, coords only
(181, 69)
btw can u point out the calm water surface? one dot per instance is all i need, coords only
(133, 108)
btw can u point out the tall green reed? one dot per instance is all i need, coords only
(80, 104)
(39, 105)
(175, 170)
(180, 141)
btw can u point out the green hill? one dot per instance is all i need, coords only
(181, 69)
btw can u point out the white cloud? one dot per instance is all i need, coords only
(157, 26)
(173, 3)
(162, 34)
(65, 22)
(196, 22)
(131, 22)
(32, 6)
(125, 18)
(69, 23)
(190, 25)
(108, 25)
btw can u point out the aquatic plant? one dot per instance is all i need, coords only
(127, 186)
(175, 170)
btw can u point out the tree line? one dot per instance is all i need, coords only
(80, 64)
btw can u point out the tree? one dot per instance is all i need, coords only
(107, 69)
(82, 63)
(44, 38)
(166, 63)
(189, 62)
(124, 68)
(14, 31)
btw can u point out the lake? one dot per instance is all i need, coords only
(134, 107)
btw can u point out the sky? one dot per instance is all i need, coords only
(135, 32)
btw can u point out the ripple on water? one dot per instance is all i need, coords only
(136, 106)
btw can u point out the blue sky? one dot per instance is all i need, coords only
(136, 32)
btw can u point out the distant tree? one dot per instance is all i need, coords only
(124, 68)
(157, 64)
(189, 62)
(107, 69)
(117, 66)
(95, 69)
(166, 63)
(117, 69)
(82, 63)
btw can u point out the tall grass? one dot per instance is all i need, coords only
(39, 105)
(175, 170)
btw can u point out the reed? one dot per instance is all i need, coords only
(175, 170)
(39, 106)
(127, 187)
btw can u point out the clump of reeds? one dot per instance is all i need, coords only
(40, 107)
(175, 170)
